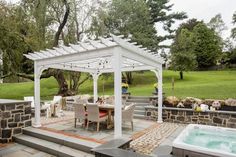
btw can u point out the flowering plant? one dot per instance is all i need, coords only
(124, 85)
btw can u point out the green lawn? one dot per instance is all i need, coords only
(204, 84)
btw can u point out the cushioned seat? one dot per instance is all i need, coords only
(102, 114)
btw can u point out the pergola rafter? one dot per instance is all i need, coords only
(106, 55)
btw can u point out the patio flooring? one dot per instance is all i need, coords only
(147, 136)
(65, 125)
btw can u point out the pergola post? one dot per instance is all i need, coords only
(160, 95)
(37, 74)
(158, 74)
(117, 93)
(95, 87)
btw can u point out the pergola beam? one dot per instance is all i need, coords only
(71, 68)
(77, 56)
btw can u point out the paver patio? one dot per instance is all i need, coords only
(147, 135)
(18, 150)
(65, 125)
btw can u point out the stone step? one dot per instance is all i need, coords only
(139, 112)
(137, 116)
(78, 144)
(142, 104)
(138, 100)
(142, 108)
(49, 147)
(139, 97)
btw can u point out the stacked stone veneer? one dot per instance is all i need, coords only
(14, 117)
(188, 116)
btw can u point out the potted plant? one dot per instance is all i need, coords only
(125, 87)
(155, 85)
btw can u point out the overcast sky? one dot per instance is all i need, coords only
(202, 10)
(206, 9)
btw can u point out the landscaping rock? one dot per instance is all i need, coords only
(171, 101)
(189, 101)
(210, 102)
(180, 105)
(230, 102)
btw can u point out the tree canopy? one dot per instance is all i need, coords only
(195, 46)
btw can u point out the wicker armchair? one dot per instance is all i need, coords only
(127, 114)
(56, 106)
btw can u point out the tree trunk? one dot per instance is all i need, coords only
(61, 26)
(129, 77)
(58, 74)
(63, 86)
(181, 75)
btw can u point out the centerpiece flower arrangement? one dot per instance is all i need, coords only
(155, 85)
(125, 87)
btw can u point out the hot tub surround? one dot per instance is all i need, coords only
(14, 115)
(189, 116)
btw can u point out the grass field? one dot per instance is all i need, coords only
(205, 84)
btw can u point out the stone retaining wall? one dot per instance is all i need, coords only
(13, 117)
(188, 116)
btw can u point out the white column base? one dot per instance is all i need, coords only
(36, 125)
(160, 121)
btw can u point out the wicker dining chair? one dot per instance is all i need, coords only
(80, 113)
(127, 114)
(94, 115)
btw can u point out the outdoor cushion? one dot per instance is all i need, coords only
(102, 114)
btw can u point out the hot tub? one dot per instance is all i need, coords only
(205, 141)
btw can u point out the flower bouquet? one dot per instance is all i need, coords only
(125, 87)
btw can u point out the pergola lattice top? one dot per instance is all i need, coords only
(98, 56)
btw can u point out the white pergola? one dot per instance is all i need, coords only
(106, 55)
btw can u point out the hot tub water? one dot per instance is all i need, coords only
(212, 139)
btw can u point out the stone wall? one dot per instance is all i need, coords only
(14, 117)
(188, 116)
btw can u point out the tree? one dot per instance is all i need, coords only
(208, 46)
(129, 18)
(160, 11)
(30, 26)
(233, 31)
(182, 54)
(136, 20)
(217, 24)
(12, 43)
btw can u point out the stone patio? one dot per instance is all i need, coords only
(147, 136)
(18, 150)
(65, 125)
